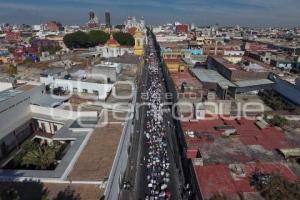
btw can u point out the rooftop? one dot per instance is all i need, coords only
(52, 71)
(191, 83)
(125, 59)
(247, 132)
(212, 76)
(252, 66)
(234, 179)
(249, 83)
(208, 140)
(112, 42)
(7, 94)
(95, 162)
(107, 64)
(47, 100)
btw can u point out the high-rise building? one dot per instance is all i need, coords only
(93, 20)
(91, 15)
(107, 19)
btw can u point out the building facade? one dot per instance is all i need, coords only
(113, 49)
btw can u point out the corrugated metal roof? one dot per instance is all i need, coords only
(249, 83)
(212, 76)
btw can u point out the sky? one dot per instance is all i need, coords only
(200, 12)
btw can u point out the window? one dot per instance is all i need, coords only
(43, 127)
(95, 92)
(75, 90)
(84, 90)
(55, 128)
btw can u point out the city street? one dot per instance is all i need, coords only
(153, 172)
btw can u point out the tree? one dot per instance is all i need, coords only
(218, 196)
(275, 187)
(98, 37)
(40, 156)
(78, 39)
(12, 70)
(84, 40)
(120, 26)
(9, 194)
(125, 39)
(67, 194)
(279, 121)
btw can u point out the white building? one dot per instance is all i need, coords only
(95, 85)
(43, 34)
(171, 38)
(234, 53)
(22, 121)
(113, 49)
(99, 90)
(5, 86)
(49, 75)
(15, 114)
(108, 71)
(38, 27)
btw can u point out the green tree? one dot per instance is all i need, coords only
(98, 37)
(279, 121)
(84, 40)
(125, 39)
(78, 39)
(40, 156)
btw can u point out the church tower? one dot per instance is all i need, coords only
(139, 43)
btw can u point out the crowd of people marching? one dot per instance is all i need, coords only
(156, 160)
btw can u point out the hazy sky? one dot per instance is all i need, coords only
(200, 12)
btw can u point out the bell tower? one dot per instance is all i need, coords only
(139, 43)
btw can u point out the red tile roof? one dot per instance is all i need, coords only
(213, 179)
(270, 138)
(219, 178)
(112, 41)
